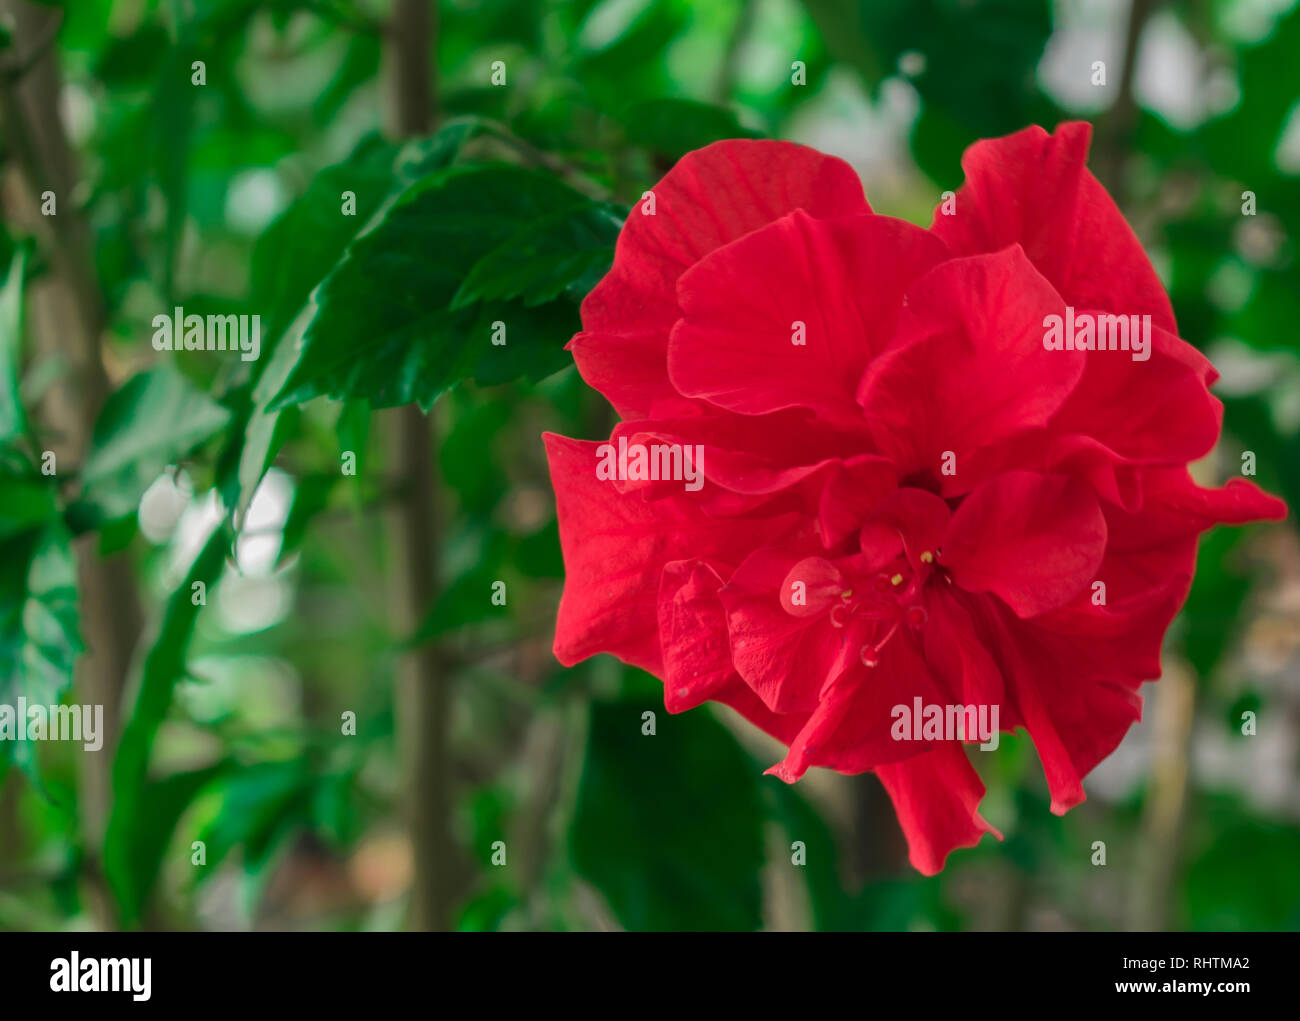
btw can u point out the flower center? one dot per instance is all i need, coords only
(895, 598)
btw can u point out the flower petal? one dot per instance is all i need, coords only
(1034, 540)
(851, 730)
(791, 315)
(936, 796)
(918, 517)
(1157, 411)
(615, 548)
(1074, 718)
(853, 489)
(692, 634)
(956, 654)
(1034, 189)
(955, 379)
(786, 659)
(1175, 507)
(755, 457)
(711, 197)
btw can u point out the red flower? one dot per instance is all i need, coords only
(900, 491)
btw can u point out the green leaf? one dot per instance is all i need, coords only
(384, 330)
(154, 420)
(466, 600)
(1241, 144)
(50, 618)
(167, 800)
(674, 127)
(284, 269)
(372, 173)
(485, 911)
(1243, 877)
(1214, 604)
(259, 805)
(13, 420)
(669, 827)
(469, 459)
(633, 63)
(264, 429)
(130, 834)
(26, 501)
(311, 495)
(172, 119)
(39, 639)
(538, 555)
(353, 428)
(568, 251)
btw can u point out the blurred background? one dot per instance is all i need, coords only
(318, 716)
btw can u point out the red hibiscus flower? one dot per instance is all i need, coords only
(851, 472)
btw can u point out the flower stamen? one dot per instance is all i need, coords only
(870, 654)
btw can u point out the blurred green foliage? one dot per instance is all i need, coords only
(232, 197)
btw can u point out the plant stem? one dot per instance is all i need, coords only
(423, 698)
(67, 317)
(1116, 128)
(1163, 814)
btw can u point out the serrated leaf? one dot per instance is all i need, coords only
(384, 330)
(285, 270)
(373, 172)
(568, 250)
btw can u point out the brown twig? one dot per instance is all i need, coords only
(67, 317)
(423, 692)
(13, 69)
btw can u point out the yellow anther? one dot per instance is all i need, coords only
(847, 594)
(896, 580)
(927, 557)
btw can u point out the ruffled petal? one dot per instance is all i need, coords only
(954, 380)
(918, 518)
(791, 315)
(1034, 540)
(692, 634)
(615, 548)
(751, 459)
(851, 729)
(1175, 507)
(786, 659)
(853, 490)
(936, 796)
(1074, 717)
(1156, 412)
(711, 197)
(958, 659)
(1034, 190)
